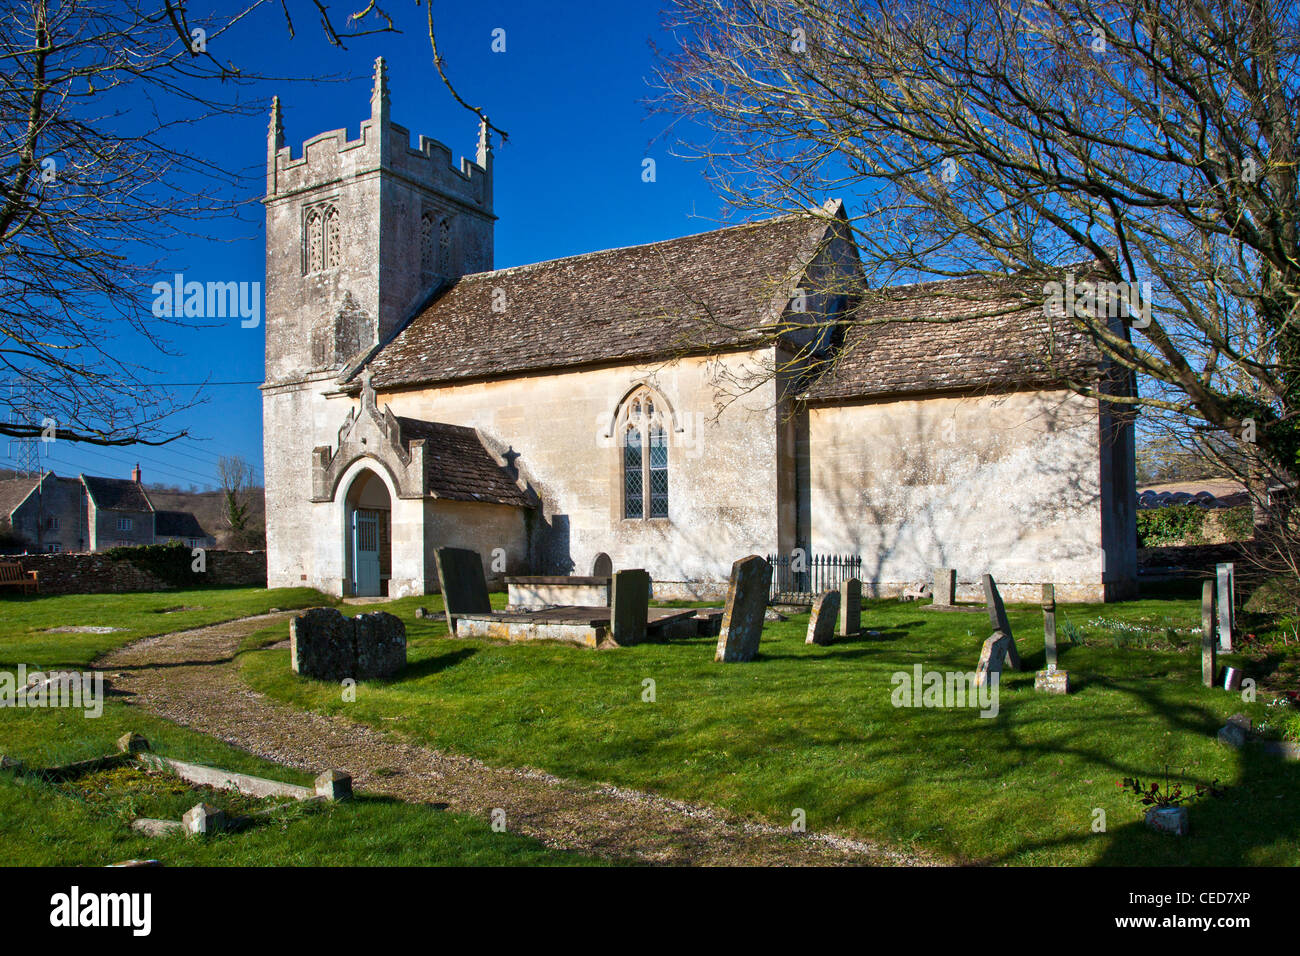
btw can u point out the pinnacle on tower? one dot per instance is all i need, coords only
(379, 93)
(484, 142)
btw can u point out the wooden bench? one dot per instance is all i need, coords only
(12, 575)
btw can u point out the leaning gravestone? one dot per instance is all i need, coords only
(1209, 646)
(850, 622)
(742, 621)
(629, 606)
(603, 566)
(821, 625)
(1224, 573)
(997, 610)
(993, 658)
(464, 587)
(1051, 679)
(945, 586)
(328, 646)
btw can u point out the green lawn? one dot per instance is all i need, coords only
(814, 728)
(25, 621)
(44, 824)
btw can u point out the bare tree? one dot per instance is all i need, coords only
(236, 478)
(102, 166)
(1154, 141)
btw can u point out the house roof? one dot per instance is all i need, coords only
(13, 492)
(702, 292)
(953, 335)
(177, 524)
(116, 494)
(459, 467)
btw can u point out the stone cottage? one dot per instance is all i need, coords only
(625, 402)
(47, 513)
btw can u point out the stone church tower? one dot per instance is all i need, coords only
(359, 235)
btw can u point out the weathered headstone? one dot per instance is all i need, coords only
(1224, 574)
(1051, 679)
(1209, 644)
(945, 586)
(742, 620)
(464, 588)
(381, 645)
(132, 743)
(850, 622)
(603, 566)
(821, 623)
(322, 644)
(629, 606)
(997, 610)
(328, 646)
(994, 656)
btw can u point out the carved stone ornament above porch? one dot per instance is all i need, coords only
(421, 458)
(376, 435)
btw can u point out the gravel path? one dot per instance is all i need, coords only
(190, 677)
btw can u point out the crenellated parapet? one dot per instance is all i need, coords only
(382, 144)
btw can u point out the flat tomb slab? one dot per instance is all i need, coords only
(544, 591)
(583, 626)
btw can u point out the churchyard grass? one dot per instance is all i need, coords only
(43, 825)
(812, 728)
(25, 637)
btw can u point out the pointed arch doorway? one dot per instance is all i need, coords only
(368, 535)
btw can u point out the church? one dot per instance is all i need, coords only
(634, 402)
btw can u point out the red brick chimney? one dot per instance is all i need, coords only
(135, 473)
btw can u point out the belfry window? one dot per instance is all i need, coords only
(644, 450)
(322, 240)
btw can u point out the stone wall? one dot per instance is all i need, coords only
(1008, 484)
(69, 573)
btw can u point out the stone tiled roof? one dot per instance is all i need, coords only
(696, 293)
(458, 466)
(13, 491)
(116, 494)
(958, 334)
(177, 524)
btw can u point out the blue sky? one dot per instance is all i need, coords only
(568, 90)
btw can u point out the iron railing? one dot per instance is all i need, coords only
(799, 577)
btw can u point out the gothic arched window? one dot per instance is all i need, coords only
(332, 242)
(644, 450)
(315, 240)
(426, 242)
(322, 241)
(444, 247)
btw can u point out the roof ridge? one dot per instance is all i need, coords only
(810, 213)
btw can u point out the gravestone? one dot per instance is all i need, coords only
(850, 622)
(993, 658)
(997, 610)
(322, 644)
(742, 620)
(821, 624)
(1051, 679)
(629, 606)
(328, 646)
(1209, 645)
(1224, 573)
(380, 644)
(603, 566)
(464, 588)
(945, 586)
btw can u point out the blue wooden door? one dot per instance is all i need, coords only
(365, 553)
